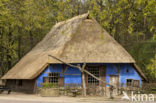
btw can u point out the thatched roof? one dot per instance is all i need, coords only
(76, 40)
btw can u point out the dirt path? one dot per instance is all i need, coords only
(27, 98)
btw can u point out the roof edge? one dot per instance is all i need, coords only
(140, 72)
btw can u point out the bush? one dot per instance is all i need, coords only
(49, 85)
(148, 88)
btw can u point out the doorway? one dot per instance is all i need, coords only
(114, 80)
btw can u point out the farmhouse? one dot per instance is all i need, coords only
(76, 41)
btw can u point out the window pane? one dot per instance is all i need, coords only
(95, 71)
(52, 78)
(136, 83)
(129, 82)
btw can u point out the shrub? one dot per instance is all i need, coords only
(149, 88)
(49, 85)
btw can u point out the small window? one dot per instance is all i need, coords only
(129, 82)
(52, 78)
(136, 83)
(95, 71)
(127, 70)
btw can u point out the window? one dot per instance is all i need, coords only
(129, 82)
(95, 71)
(127, 70)
(136, 83)
(52, 78)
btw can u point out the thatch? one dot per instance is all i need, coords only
(76, 40)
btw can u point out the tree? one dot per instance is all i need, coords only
(23, 23)
(152, 68)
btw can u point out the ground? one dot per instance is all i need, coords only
(29, 98)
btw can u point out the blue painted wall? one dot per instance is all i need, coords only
(132, 74)
(76, 79)
(110, 70)
(124, 75)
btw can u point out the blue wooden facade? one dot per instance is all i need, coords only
(124, 75)
(68, 77)
(73, 75)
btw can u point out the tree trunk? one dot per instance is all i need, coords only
(1, 58)
(19, 47)
(8, 54)
(84, 84)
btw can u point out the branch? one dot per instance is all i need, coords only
(98, 78)
(65, 62)
(82, 69)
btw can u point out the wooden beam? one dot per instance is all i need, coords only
(64, 62)
(83, 79)
(64, 70)
(117, 69)
(72, 74)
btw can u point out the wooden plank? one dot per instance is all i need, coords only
(86, 79)
(119, 76)
(61, 82)
(102, 75)
(35, 86)
(72, 74)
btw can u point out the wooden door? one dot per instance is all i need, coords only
(114, 80)
(61, 82)
(102, 75)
